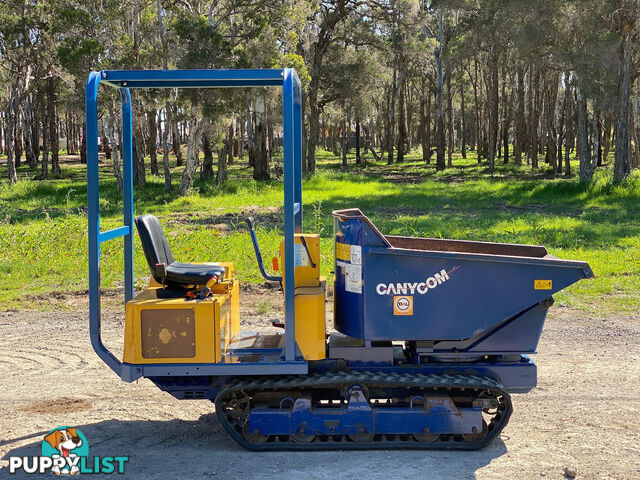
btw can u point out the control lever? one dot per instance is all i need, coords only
(306, 247)
(256, 247)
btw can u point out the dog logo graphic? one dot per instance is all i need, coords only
(66, 444)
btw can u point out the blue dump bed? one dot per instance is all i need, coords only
(401, 288)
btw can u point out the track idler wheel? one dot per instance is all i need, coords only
(302, 436)
(426, 437)
(254, 437)
(363, 436)
(477, 436)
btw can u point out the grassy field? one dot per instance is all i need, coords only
(43, 226)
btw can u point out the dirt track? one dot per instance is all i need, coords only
(584, 414)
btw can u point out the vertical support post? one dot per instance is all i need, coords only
(297, 146)
(91, 100)
(127, 187)
(93, 199)
(288, 121)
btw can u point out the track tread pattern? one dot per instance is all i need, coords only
(373, 379)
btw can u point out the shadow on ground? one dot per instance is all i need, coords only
(201, 449)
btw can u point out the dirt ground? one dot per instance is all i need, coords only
(585, 413)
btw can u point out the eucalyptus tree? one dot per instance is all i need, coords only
(20, 42)
(319, 34)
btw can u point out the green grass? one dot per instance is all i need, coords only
(43, 227)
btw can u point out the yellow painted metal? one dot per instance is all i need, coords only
(166, 330)
(311, 320)
(307, 265)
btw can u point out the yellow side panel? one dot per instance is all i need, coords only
(306, 274)
(172, 330)
(311, 321)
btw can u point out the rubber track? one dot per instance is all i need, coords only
(375, 379)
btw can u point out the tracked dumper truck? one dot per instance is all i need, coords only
(431, 336)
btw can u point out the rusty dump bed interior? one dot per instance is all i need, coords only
(463, 246)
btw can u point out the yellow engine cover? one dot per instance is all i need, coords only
(176, 330)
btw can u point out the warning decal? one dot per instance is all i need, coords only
(343, 251)
(542, 284)
(353, 278)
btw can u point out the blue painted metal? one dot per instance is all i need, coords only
(114, 233)
(291, 104)
(124, 80)
(516, 376)
(127, 190)
(193, 78)
(455, 296)
(435, 415)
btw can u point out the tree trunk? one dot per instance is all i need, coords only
(241, 140)
(31, 128)
(493, 109)
(206, 169)
(476, 114)
(153, 139)
(635, 131)
(402, 124)
(115, 140)
(534, 80)
(54, 134)
(345, 142)
(391, 113)
(561, 128)
(250, 132)
(260, 146)
(425, 120)
(451, 140)
(223, 154)
(440, 135)
(606, 137)
(11, 167)
(165, 152)
(314, 126)
(621, 164)
(586, 167)
(358, 161)
(552, 98)
(176, 142)
(17, 138)
(193, 150)
(506, 116)
(139, 174)
(231, 143)
(598, 132)
(463, 114)
(569, 134)
(83, 143)
(46, 133)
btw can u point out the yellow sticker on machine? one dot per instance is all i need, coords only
(343, 251)
(542, 284)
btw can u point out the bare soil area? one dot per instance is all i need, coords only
(585, 414)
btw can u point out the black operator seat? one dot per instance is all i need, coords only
(159, 257)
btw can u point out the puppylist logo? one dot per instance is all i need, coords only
(65, 451)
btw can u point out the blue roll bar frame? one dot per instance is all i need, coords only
(124, 80)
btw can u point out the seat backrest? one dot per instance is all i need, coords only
(154, 243)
